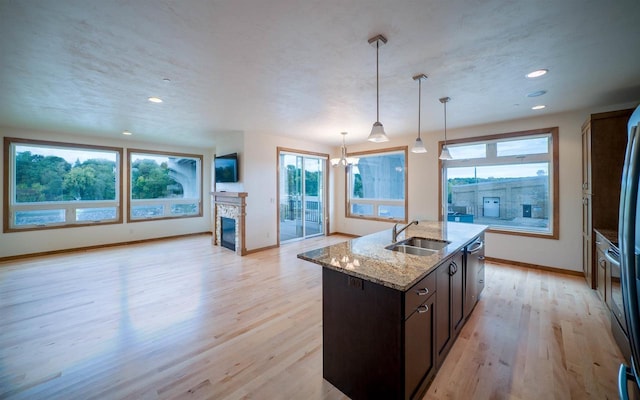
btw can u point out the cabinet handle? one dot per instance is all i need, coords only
(453, 268)
(423, 309)
(481, 280)
(422, 292)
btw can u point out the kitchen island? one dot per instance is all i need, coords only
(391, 313)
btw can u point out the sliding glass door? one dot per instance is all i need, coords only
(301, 195)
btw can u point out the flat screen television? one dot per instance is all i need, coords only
(226, 168)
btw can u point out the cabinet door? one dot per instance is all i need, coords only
(419, 354)
(457, 293)
(443, 311)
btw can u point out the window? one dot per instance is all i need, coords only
(507, 181)
(376, 186)
(53, 185)
(164, 185)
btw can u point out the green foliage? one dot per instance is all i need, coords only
(51, 178)
(152, 181)
(358, 191)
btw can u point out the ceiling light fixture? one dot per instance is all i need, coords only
(445, 155)
(155, 99)
(418, 146)
(538, 107)
(127, 133)
(344, 161)
(377, 134)
(537, 73)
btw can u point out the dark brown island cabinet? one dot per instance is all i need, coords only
(383, 343)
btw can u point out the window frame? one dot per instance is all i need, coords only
(9, 185)
(377, 202)
(554, 187)
(164, 202)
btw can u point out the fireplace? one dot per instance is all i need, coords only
(229, 220)
(228, 233)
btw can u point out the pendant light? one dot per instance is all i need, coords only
(343, 161)
(445, 155)
(377, 134)
(418, 146)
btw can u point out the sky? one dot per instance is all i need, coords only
(498, 171)
(83, 155)
(70, 155)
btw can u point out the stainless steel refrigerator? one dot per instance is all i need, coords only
(629, 242)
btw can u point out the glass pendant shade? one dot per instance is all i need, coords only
(418, 146)
(377, 134)
(445, 155)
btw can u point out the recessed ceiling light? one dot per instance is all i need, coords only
(127, 133)
(537, 73)
(537, 93)
(538, 107)
(155, 99)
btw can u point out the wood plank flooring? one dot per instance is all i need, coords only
(182, 319)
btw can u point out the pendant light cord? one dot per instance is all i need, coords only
(377, 83)
(445, 124)
(419, 104)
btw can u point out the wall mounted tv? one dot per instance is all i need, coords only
(226, 168)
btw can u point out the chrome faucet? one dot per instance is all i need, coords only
(395, 232)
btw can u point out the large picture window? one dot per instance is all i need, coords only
(377, 185)
(164, 185)
(53, 185)
(507, 181)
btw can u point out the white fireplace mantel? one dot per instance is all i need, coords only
(230, 205)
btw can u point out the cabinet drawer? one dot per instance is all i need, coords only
(419, 293)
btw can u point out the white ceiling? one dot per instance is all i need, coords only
(304, 68)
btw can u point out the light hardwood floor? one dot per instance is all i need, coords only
(182, 319)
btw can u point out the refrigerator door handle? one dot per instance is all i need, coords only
(623, 379)
(611, 260)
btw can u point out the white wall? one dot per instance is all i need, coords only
(564, 253)
(18, 243)
(261, 182)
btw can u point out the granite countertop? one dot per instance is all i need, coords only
(366, 257)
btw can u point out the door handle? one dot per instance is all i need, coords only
(477, 248)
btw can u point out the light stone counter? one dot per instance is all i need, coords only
(366, 257)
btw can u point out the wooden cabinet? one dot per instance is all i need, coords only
(602, 266)
(450, 303)
(419, 353)
(604, 138)
(379, 342)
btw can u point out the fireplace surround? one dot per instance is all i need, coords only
(231, 206)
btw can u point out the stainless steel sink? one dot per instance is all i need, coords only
(416, 251)
(424, 243)
(418, 246)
